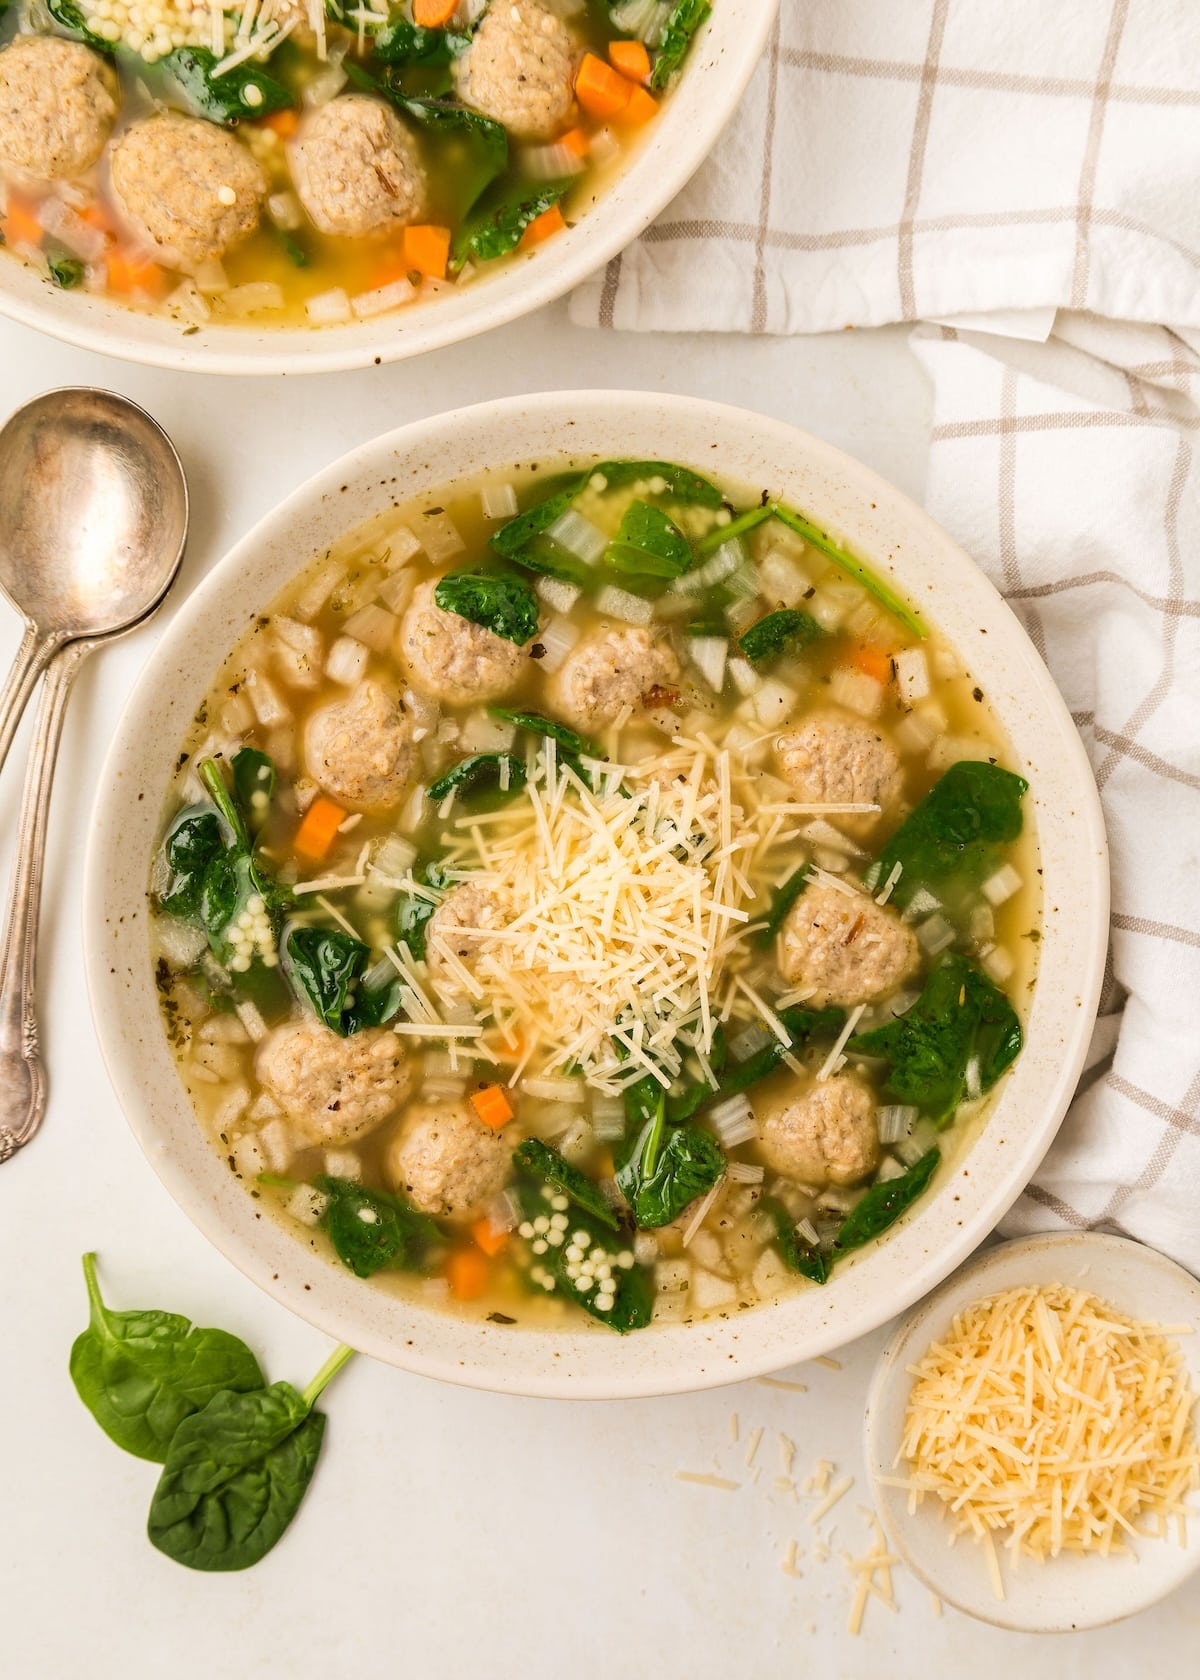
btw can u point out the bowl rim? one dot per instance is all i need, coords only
(716, 1351)
(660, 166)
(1035, 1258)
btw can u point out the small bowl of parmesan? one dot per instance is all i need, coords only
(1031, 1433)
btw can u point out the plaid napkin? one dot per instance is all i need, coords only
(1069, 471)
(936, 158)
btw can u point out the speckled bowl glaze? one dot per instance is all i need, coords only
(719, 67)
(905, 547)
(1067, 1593)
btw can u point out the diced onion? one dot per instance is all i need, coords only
(557, 593)
(577, 536)
(553, 1089)
(180, 944)
(1001, 886)
(715, 569)
(744, 1172)
(373, 626)
(857, 692)
(749, 1042)
(894, 1121)
(481, 732)
(783, 578)
(440, 537)
(269, 707)
(745, 678)
(912, 673)
(277, 1144)
(251, 1018)
(347, 660)
(612, 602)
(498, 501)
(328, 309)
(576, 1141)
(998, 964)
(381, 299)
(709, 654)
(284, 210)
(973, 1081)
(922, 901)
(394, 858)
(307, 1205)
(935, 934)
(808, 1232)
(773, 703)
(343, 1163)
(253, 298)
(915, 733)
(556, 640)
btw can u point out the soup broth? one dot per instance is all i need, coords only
(594, 895)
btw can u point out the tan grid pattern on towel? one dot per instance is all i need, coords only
(1118, 622)
(993, 157)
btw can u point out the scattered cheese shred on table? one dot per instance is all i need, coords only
(703, 1479)
(1048, 1421)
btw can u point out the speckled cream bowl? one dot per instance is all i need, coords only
(718, 69)
(905, 547)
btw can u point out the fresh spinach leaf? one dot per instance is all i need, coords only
(190, 848)
(960, 1015)
(236, 1472)
(796, 1254)
(785, 631)
(480, 773)
(684, 20)
(403, 43)
(140, 1374)
(65, 271)
(372, 1230)
(504, 605)
(223, 99)
(253, 786)
(494, 229)
(325, 964)
(884, 1203)
(669, 1167)
(782, 900)
(633, 1289)
(948, 842)
(444, 116)
(540, 1161)
(648, 543)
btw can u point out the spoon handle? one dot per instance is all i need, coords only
(30, 660)
(22, 1076)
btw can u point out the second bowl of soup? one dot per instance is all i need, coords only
(600, 922)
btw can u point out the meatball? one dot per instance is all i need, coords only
(189, 186)
(452, 659)
(453, 925)
(608, 671)
(356, 167)
(58, 102)
(845, 946)
(336, 1089)
(449, 1163)
(360, 749)
(835, 760)
(518, 69)
(828, 1137)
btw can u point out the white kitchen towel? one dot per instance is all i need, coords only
(912, 161)
(1069, 471)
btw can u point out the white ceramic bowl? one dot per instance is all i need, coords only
(904, 545)
(1069, 1592)
(719, 66)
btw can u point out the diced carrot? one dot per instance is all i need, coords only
(630, 58)
(284, 123)
(600, 89)
(130, 273)
(319, 828)
(492, 1106)
(21, 226)
(543, 226)
(640, 108)
(488, 1238)
(576, 142)
(873, 662)
(427, 249)
(467, 1271)
(432, 14)
(393, 266)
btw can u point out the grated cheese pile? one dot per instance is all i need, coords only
(1048, 1418)
(625, 949)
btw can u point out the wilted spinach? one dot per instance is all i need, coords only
(65, 271)
(406, 44)
(576, 746)
(222, 99)
(192, 844)
(632, 1286)
(496, 228)
(253, 785)
(504, 605)
(960, 1016)
(372, 1230)
(948, 842)
(803, 1025)
(668, 1167)
(414, 913)
(326, 964)
(141, 1373)
(883, 1204)
(649, 544)
(684, 20)
(481, 773)
(785, 631)
(782, 900)
(541, 1162)
(797, 1254)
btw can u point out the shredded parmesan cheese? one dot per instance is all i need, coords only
(1047, 1420)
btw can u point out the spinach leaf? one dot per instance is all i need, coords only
(404, 43)
(785, 631)
(686, 1095)
(959, 1015)
(478, 774)
(721, 534)
(685, 19)
(374, 1004)
(223, 99)
(884, 1203)
(65, 271)
(236, 1472)
(140, 1374)
(796, 1254)
(803, 1025)
(540, 1161)
(445, 116)
(68, 14)
(504, 605)
(633, 1289)
(326, 963)
(648, 543)
(253, 785)
(372, 1230)
(209, 772)
(495, 229)
(782, 900)
(948, 841)
(190, 848)
(576, 746)
(833, 550)
(680, 484)
(413, 914)
(669, 1167)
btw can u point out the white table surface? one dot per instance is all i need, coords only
(446, 1531)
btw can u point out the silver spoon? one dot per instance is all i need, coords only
(93, 519)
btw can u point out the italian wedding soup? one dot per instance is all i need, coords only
(593, 893)
(313, 162)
